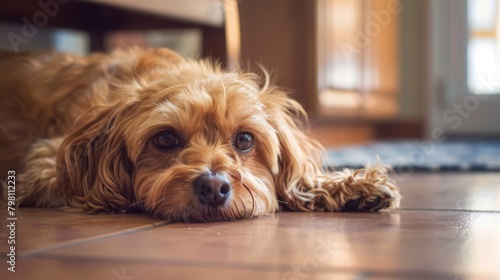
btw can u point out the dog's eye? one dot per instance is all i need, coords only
(165, 140)
(244, 142)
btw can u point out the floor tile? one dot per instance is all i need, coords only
(54, 269)
(448, 228)
(405, 242)
(39, 228)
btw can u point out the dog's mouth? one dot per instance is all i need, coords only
(228, 211)
(209, 209)
(206, 197)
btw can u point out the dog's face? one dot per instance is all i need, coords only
(203, 149)
(198, 145)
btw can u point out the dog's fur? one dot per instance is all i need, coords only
(79, 132)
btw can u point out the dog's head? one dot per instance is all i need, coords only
(198, 144)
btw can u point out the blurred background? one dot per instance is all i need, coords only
(365, 70)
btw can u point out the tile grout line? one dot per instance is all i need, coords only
(80, 241)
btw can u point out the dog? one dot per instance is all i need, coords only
(181, 140)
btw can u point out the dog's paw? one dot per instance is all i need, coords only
(365, 205)
(383, 198)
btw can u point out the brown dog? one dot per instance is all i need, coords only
(179, 139)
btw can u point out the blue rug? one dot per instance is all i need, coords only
(428, 156)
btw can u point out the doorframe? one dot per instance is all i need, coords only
(452, 109)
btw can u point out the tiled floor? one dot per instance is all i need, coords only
(448, 228)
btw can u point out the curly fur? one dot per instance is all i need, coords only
(79, 132)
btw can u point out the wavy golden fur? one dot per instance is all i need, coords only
(82, 132)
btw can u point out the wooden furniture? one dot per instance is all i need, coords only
(99, 17)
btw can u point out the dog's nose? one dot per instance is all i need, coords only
(212, 189)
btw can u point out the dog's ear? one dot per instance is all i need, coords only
(93, 165)
(299, 157)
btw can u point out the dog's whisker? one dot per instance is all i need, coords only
(236, 202)
(164, 194)
(253, 199)
(137, 202)
(156, 203)
(243, 205)
(235, 214)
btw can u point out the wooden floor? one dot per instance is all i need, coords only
(448, 228)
